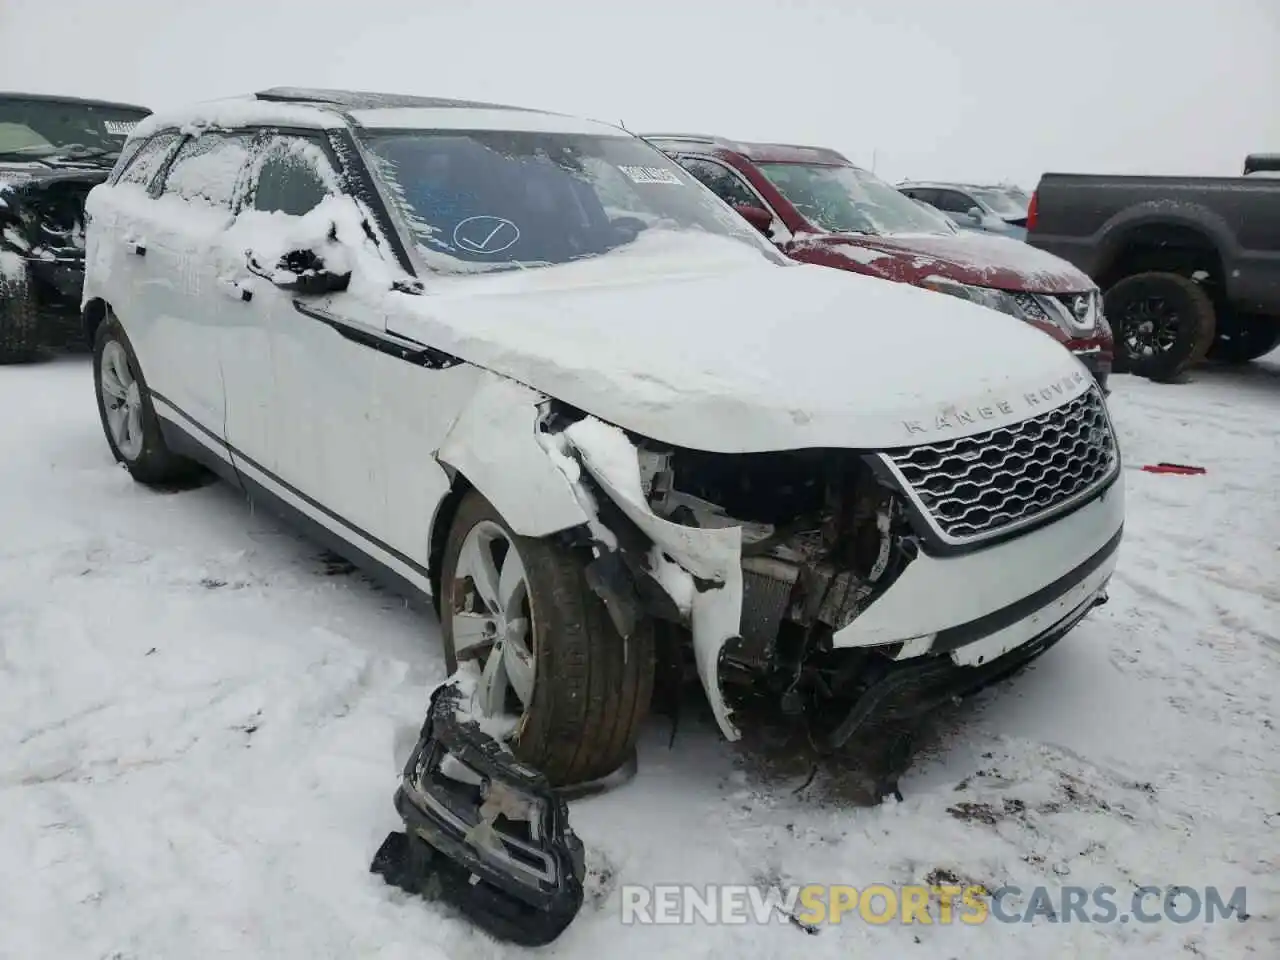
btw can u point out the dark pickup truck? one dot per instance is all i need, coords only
(1190, 266)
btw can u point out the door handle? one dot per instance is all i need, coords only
(237, 289)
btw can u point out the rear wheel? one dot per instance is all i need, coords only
(551, 662)
(1163, 322)
(19, 320)
(128, 417)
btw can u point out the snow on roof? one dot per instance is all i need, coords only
(368, 100)
(454, 118)
(330, 109)
(237, 112)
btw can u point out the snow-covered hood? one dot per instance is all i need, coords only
(752, 356)
(981, 259)
(18, 173)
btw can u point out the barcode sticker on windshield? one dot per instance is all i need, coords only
(651, 175)
(119, 128)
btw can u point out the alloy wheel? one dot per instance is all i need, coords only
(122, 401)
(493, 621)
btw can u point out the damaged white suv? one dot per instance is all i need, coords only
(526, 365)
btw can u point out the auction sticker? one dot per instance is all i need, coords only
(652, 175)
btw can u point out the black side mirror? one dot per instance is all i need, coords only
(300, 271)
(758, 217)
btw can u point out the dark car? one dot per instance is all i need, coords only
(819, 208)
(53, 151)
(1190, 265)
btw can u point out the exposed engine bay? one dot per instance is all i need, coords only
(804, 540)
(44, 218)
(821, 537)
(42, 222)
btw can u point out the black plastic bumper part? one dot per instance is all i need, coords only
(483, 833)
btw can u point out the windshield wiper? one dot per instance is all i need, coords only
(76, 153)
(26, 156)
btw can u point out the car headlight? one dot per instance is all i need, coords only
(1075, 314)
(990, 297)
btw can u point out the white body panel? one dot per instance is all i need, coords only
(748, 356)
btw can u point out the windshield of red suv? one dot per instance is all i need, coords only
(478, 200)
(1002, 203)
(851, 200)
(40, 129)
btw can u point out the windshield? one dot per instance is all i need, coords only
(1004, 205)
(486, 200)
(40, 129)
(851, 200)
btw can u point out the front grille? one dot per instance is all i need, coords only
(974, 487)
(1073, 312)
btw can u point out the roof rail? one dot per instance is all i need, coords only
(345, 100)
(709, 139)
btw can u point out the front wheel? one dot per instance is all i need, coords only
(1163, 322)
(550, 661)
(128, 417)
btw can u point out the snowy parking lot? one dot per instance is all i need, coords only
(203, 720)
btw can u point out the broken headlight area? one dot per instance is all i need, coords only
(482, 832)
(822, 538)
(761, 559)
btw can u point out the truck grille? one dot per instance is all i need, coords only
(975, 487)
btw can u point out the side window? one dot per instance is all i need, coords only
(146, 160)
(207, 167)
(726, 184)
(293, 174)
(953, 201)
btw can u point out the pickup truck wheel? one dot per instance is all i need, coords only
(19, 320)
(128, 417)
(1245, 337)
(551, 661)
(1164, 323)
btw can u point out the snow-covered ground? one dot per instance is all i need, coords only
(202, 723)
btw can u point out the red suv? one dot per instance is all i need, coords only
(820, 208)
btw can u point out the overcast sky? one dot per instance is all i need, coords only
(964, 89)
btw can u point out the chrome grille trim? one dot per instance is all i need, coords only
(970, 489)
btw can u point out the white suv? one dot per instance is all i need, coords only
(528, 366)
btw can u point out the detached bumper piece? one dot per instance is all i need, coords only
(483, 833)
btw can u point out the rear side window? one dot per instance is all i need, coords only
(207, 168)
(293, 174)
(146, 160)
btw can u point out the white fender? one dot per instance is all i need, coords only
(494, 444)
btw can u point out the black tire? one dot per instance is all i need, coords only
(155, 464)
(1163, 324)
(19, 319)
(591, 688)
(1244, 337)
